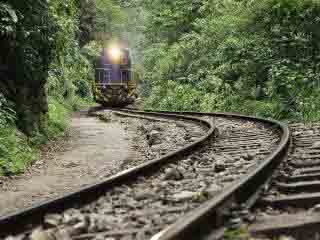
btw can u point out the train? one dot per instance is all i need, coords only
(114, 84)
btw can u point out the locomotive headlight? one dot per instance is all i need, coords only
(115, 53)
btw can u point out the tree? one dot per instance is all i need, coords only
(25, 56)
(88, 16)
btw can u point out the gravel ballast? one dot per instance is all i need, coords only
(141, 209)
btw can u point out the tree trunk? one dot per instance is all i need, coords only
(29, 97)
(24, 65)
(31, 107)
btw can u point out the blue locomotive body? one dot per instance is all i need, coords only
(114, 85)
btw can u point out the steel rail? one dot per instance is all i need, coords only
(210, 217)
(20, 221)
(296, 188)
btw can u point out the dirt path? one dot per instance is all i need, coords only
(93, 150)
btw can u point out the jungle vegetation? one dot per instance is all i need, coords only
(46, 69)
(248, 56)
(253, 57)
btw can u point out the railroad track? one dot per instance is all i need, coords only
(290, 206)
(185, 194)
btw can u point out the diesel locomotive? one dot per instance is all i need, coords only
(114, 85)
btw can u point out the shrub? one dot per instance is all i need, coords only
(15, 150)
(253, 57)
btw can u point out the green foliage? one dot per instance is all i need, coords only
(87, 18)
(8, 19)
(110, 17)
(175, 97)
(50, 45)
(7, 114)
(254, 57)
(45, 36)
(236, 234)
(31, 27)
(171, 19)
(15, 151)
(289, 30)
(70, 72)
(59, 117)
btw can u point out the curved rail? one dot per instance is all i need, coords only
(294, 190)
(211, 216)
(34, 214)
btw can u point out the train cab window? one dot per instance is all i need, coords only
(106, 76)
(124, 76)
